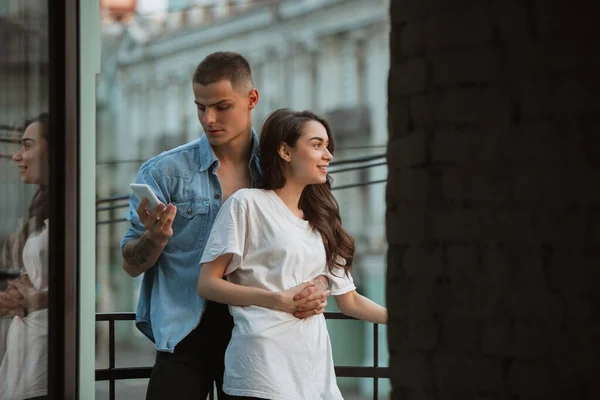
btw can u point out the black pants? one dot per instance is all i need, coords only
(197, 362)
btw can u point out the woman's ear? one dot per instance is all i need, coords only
(284, 152)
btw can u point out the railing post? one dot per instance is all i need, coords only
(111, 357)
(376, 361)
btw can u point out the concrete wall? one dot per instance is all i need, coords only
(493, 200)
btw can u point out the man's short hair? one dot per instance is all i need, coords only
(224, 65)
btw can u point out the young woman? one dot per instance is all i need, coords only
(24, 369)
(267, 242)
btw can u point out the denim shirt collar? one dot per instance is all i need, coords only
(208, 157)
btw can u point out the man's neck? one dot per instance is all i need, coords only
(237, 151)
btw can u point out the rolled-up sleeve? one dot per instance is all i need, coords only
(136, 228)
(339, 282)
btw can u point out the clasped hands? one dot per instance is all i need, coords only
(306, 299)
(20, 298)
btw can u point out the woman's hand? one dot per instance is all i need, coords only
(31, 298)
(313, 300)
(285, 300)
(10, 302)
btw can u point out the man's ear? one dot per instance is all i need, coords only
(252, 98)
(284, 152)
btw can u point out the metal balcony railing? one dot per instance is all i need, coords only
(114, 373)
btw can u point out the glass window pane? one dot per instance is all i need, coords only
(23, 198)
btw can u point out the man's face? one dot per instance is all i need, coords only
(224, 112)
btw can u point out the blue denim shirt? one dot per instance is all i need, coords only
(169, 307)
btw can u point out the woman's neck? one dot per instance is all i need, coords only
(290, 195)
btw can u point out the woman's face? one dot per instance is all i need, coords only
(32, 158)
(309, 159)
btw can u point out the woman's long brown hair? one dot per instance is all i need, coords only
(317, 202)
(37, 213)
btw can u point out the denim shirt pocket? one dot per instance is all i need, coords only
(189, 226)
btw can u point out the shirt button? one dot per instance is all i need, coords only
(217, 195)
(189, 211)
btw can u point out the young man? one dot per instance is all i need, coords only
(166, 244)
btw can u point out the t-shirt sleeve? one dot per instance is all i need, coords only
(228, 235)
(339, 282)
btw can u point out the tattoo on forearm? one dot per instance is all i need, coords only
(138, 254)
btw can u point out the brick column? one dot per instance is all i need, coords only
(493, 203)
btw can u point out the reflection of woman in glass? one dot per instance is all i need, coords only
(23, 372)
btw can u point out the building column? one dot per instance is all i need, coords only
(172, 102)
(258, 61)
(351, 80)
(186, 110)
(310, 46)
(158, 88)
(194, 129)
(492, 201)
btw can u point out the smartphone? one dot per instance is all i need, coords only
(143, 191)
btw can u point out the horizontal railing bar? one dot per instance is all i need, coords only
(113, 207)
(145, 372)
(333, 163)
(117, 316)
(354, 185)
(123, 373)
(362, 372)
(130, 316)
(11, 128)
(110, 221)
(349, 169)
(336, 315)
(113, 198)
(357, 160)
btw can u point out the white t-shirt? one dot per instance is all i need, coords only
(272, 354)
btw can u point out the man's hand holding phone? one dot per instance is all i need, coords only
(157, 220)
